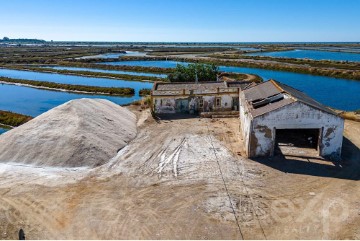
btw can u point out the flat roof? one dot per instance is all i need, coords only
(190, 86)
(162, 86)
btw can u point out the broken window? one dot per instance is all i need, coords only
(217, 101)
(201, 103)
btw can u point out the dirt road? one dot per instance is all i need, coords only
(186, 179)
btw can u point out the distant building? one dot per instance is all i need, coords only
(271, 110)
(196, 97)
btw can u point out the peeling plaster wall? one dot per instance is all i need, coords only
(245, 122)
(168, 104)
(296, 116)
(164, 105)
(209, 103)
(226, 102)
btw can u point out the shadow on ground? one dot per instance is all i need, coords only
(347, 168)
(176, 116)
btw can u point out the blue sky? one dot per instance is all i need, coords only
(181, 20)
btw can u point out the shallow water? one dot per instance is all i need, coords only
(72, 79)
(2, 130)
(248, 48)
(107, 71)
(151, 63)
(33, 102)
(113, 55)
(337, 93)
(312, 54)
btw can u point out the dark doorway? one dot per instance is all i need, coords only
(235, 103)
(298, 138)
(182, 105)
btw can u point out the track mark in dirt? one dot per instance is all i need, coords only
(174, 157)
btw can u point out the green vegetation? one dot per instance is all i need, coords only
(201, 72)
(357, 112)
(302, 69)
(154, 70)
(56, 54)
(13, 119)
(72, 88)
(298, 61)
(144, 92)
(25, 40)
(144, 102)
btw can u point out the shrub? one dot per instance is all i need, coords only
(144, 92)
(13, 119)
(203, 72)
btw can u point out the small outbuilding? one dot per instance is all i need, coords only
(194, 97)
(271, 110)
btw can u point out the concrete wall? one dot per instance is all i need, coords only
(168, 104)
(245, 121)
(296, 116)
(164, 105)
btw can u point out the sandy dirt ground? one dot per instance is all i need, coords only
(186, 178)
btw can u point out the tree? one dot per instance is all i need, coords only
(6, 39)
(204, 72)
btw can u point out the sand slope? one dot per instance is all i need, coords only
(84, 132)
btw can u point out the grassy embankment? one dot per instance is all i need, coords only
(348, 65)
(9, 119)
(71, 88)
(144, 92)
(302, 69)
(351, 115)
(236, 76)
(128, 77)
(241, 77)
(329, 72)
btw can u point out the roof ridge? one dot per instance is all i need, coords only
(276, 85)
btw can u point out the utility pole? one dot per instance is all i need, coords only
(196, 76)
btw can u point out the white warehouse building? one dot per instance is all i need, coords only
(270, 110)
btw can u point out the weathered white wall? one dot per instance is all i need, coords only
(164, 105)
(168, 104)
(209, 103)
(245, 121)
(226, 102)
(296, 116)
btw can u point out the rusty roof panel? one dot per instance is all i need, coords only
(261, 91)
(302, 97)
(271, 88)
(270, 107)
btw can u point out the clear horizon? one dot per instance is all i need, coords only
(201, 21)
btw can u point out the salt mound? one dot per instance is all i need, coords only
(83, 132)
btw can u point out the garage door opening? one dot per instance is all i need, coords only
(297, 141)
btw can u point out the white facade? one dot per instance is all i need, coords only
(259, 132)
(198, 103)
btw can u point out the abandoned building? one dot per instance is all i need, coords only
(204, 97)
(269, 113)
(271, 110)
